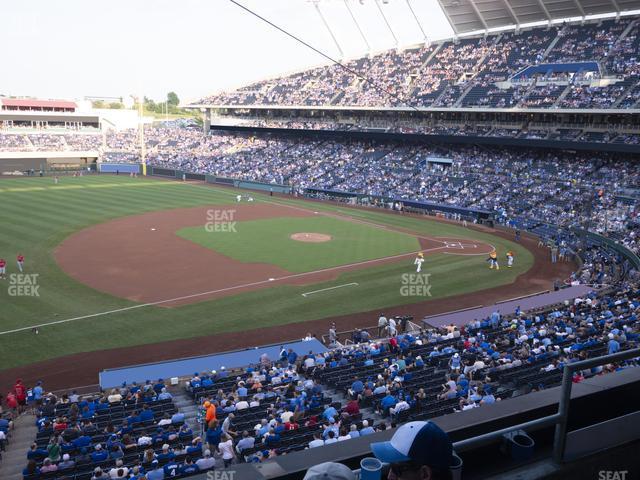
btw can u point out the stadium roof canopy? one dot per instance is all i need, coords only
(476, 15)
(35, 103)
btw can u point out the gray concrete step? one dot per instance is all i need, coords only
(14, 459)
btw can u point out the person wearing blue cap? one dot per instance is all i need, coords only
(417, 451)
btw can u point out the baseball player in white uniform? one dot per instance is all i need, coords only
(509, 259)
(418, 262)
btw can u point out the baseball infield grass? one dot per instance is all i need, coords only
(268, 241)
(35, 216)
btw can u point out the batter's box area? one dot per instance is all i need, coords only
(458, 246)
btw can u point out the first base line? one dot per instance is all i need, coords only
(326, 289)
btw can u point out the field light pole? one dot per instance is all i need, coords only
(384, 17)
(424, 35)
(143, 152)
(316, 3)
(353, 17)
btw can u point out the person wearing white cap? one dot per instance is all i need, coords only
(329, 471)
(206, 462)
(417, 451)
(454, 363)
(66, 462)
(99, 474)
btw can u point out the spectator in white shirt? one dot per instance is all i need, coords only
(317, 441)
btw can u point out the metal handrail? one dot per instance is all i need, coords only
(558, 419)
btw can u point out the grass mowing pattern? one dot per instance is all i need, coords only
(268, 241)
(34, 222)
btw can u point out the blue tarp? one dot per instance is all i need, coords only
(119, 167)
(187, 366)
(544, 68)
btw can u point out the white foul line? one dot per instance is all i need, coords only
(220, 290)
(235, 287)
(329, 288)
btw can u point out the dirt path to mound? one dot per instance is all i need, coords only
(64, 372)
(141, 258)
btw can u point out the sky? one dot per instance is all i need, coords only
(69, 49)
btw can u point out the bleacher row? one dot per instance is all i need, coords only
(467, 72)
(105, 423)
(428, 366)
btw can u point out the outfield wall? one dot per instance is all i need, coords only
(230, 182)
(119, 167)
(204, 363)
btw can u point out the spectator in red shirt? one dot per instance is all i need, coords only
(21, 393)
(291, 425)
(313, 420)
(12, 402)
(352, 408)
(60, 425)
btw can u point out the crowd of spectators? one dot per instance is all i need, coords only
(444, 74)
(549, 187)
(122, 433)
(280, 405)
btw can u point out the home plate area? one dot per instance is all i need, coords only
(456, 246)
(460, 245)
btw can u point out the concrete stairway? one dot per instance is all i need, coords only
(186, 405)
(14, 459)
(367, 412)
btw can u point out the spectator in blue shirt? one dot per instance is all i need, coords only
(164, 395)
(366, 429)
(146, 414)
(188, 467)
(613, 345)
(157, 473)
(177, 417)
(159, 386)
(292, 357)
(329, 413)
(81, 441)
(356, 387)
(167, 453)
(272, 439)
(99, 454)
(387, 402)
(36, 453)
(38, 392)
(213, 435)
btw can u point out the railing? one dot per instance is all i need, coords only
(558, 419)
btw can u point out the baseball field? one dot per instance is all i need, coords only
(113, 262)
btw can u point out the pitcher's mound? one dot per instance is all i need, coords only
(311, 237)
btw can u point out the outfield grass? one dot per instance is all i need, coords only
(268, 241)
(35, 216)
